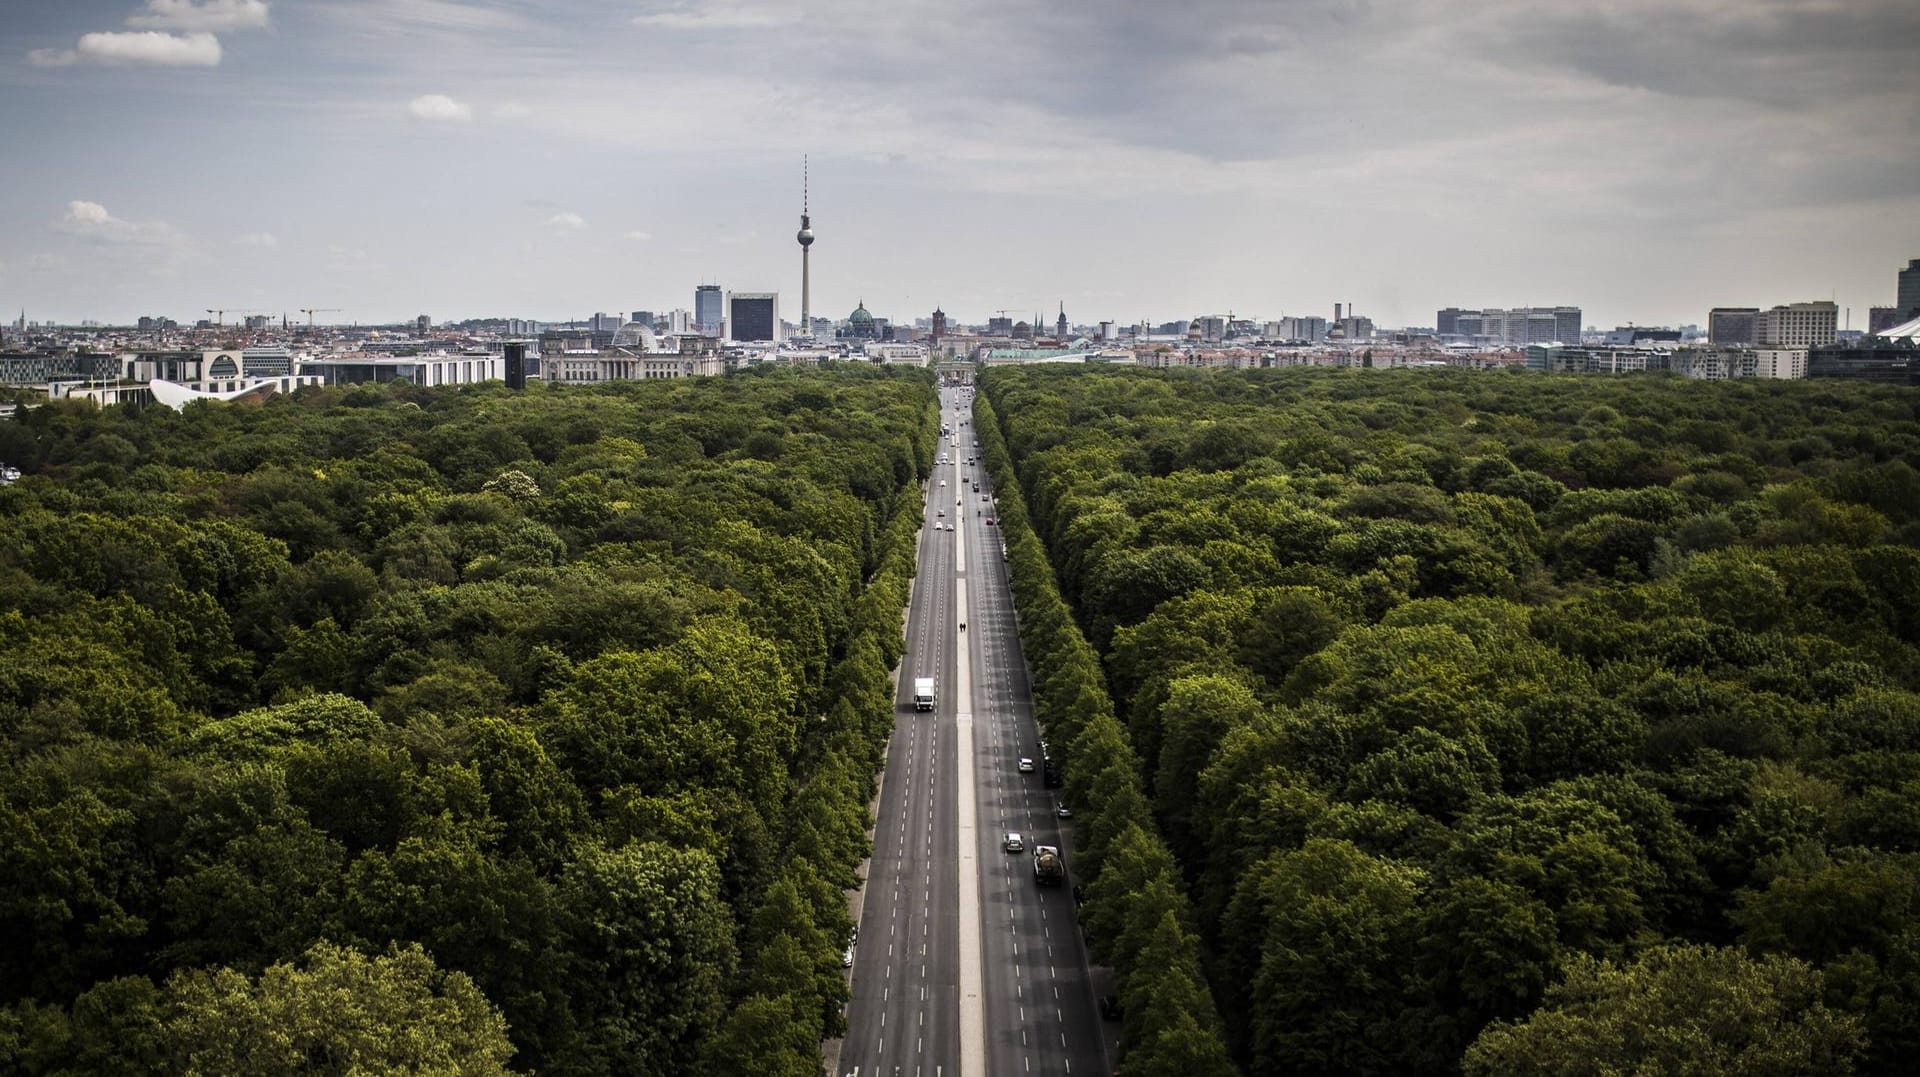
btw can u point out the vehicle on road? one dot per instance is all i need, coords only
(1012, 843)
(1048, 867)
(989, 521)
(943, 482)
(941, 513)
(923, 693)
(1026, 765)
(1063, 812)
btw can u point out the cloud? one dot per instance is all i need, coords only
(205, 15)
(566, 221)
(92, 221)
(137, 47)
(265, 240)
(440, 108)
(639, 237)
(713, 15)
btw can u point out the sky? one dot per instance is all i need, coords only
(1133, 159)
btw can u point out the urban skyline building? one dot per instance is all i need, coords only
(1733, 325)
(753, 317)
(1907, 294)
(1513, 326)
(1799, 325)
(709, 308)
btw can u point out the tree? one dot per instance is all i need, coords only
(651, 951)
(336, 1012)
(1677, 1010)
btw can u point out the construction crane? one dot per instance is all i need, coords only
(220, 314)
(311, 311)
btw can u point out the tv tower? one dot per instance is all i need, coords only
(806, 241)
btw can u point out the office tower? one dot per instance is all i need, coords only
(805, 237)
(1879, 318)
(1907, 297)
(515, 354)
(708, 309)
(644, 317)
(753, 316)
(604, 323)
(423, 325)
(1733, 325)
(1447, 322)
(1799, 324)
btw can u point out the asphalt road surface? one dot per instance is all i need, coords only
(965, 966)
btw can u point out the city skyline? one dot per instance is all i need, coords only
(508, 158)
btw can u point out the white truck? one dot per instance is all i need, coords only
(923, 693)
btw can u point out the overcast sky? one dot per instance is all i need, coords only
(1644, 159)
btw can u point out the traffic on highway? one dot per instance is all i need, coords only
(969, 960)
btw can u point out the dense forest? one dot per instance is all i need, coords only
(1486, 723)
(453, 730)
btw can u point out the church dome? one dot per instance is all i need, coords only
(860, 315)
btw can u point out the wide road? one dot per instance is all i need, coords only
(1012, 994)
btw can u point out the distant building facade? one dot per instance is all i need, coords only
(1733, 325)
(1907, 297)
(753, 317)
(708, 309)
(1802, 325)
(1513, 326)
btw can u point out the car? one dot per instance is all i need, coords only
(1063, 812)
(1026, 765)
(959, 500)
(989, 521)
(943, 482)
(1012, 843)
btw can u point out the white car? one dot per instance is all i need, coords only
(1026, 765)
(943, 482)
(1012, 843)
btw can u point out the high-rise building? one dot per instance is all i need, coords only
(1447, 322)
(753, 316)
(1879, 318)
(939, 324)
(1799, 325)
(514, 352)
(644, 317)
(709, 309)
(1733, 325)
(604, 323)
(1906, 302)
(805, 238)
(423, 325)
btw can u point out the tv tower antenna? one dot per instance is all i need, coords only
(805, 238)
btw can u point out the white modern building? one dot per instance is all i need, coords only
(422, 370)
(1801, 325)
